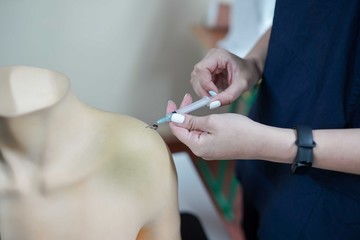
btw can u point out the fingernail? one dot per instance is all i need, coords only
(177, 118)
(212, 93)
(185, 95)
(215, 104)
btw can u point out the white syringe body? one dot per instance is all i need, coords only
(189, 108)
(194, 106)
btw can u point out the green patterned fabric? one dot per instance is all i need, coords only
(219, 176)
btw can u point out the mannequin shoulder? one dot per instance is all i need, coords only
(132, 148)
(139, 167)
(134, 135)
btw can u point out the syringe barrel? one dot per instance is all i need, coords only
(195, 105)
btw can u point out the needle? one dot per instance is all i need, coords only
(205, 101)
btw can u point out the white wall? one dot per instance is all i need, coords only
(122, 56)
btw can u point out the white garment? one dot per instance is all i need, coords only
(249, 19)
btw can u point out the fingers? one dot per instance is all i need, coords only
(202, 76)
(227, 96)
(186, 100)
(222, 72)
(189, 130)
(171, 107)
(203, 84)
(205, 79)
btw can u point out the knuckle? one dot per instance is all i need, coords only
(229, 98)
(197, 68)
(210, 119)
(196, 72)
(192, 124)
(212, 51)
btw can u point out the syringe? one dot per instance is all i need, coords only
(205, 101)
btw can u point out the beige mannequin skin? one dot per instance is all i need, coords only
(70, 171)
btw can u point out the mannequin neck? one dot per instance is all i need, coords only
(34, 132)
(37, 111)
(27, 89)
(46, 133)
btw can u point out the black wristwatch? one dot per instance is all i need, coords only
(304, 156)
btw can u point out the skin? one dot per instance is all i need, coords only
(208, 137)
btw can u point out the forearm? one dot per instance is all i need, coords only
(336, 150)
(259, 52)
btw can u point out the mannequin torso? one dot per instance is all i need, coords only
(70, 171)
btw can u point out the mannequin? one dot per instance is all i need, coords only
(70, 171)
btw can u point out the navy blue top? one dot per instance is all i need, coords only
(311, 77)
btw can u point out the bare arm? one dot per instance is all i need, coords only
(336, 149)
(234, 136)
(259, 51)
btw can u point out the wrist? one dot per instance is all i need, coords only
(305, 144)
(256, 70)
(257, 63)
(277, 145)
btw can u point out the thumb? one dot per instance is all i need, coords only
(188, 128)
(189, 122)
(229, 95)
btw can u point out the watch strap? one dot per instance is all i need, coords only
(304, 156)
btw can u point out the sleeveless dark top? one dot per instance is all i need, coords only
(312, 77)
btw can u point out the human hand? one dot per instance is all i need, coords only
(226, 74)
(217, 136)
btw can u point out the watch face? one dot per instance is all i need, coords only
(300, 168)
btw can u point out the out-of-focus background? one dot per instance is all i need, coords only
(131, 57)
(123, 56)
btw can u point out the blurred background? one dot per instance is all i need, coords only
(131, 57)
(123, 56)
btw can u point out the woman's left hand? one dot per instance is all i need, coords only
(218, 136)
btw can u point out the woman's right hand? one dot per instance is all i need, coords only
(226, 74)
